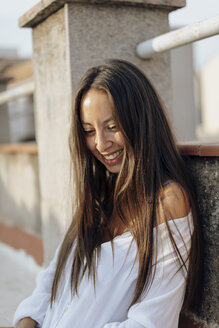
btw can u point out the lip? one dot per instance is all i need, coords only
(114, 160)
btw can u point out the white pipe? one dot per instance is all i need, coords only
(16, 92)
(180, 37)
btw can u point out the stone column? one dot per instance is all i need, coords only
(68, 37)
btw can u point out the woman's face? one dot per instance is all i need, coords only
(102, 135)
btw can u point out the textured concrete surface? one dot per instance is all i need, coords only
(19, 191)
(17, 281)
(100, 32)
(45, 8)
(205, 171)
(52, 107)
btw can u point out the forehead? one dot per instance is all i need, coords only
(96, 104)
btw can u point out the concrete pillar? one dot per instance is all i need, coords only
(69, 37)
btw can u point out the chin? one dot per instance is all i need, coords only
(112, 169)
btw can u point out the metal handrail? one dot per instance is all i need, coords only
(16, 92)
(180, 37)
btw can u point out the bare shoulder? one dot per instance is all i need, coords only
(173, 203)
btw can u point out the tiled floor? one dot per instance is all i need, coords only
(17, 280)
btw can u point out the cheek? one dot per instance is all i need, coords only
(119, 139)
(90, 144)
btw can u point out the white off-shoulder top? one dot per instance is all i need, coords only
(108, 305)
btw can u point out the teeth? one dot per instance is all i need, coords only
(113, 156)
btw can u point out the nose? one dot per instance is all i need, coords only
(102, 141)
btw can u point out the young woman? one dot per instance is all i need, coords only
(130, 257)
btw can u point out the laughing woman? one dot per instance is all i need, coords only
(130, 257)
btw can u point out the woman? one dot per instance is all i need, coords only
(130, 257)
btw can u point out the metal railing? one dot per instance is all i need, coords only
(16, 92)
(180, 37)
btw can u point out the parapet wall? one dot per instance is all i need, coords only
(20, 217)
(19, 187)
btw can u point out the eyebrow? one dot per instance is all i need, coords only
(106, 121)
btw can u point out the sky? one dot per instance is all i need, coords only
(11, 36)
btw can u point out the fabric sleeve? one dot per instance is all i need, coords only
(35, 306)
(161, 304)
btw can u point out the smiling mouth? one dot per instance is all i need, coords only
(113, 156)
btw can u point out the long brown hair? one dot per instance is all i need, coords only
(150, 157)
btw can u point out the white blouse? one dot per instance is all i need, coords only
(108, 305)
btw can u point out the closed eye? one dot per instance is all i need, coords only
(112, 127)
(88, 132)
